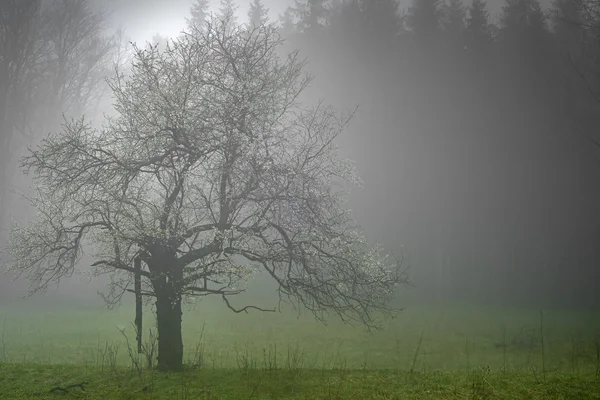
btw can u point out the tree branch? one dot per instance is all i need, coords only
(246, 308)
(122, 267)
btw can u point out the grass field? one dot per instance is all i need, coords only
(427, 352)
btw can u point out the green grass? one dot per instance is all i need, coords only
(273, 355)
(32, 381)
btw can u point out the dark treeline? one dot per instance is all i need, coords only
(472, 138)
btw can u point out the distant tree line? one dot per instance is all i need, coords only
(54, 57)
(481, 128)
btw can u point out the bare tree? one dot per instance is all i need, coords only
(211, 172)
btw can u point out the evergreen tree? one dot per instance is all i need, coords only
(424, 20)
(227, 12)
(370, 22)
(258, 13)
(454, 21)
(526, 62)
(523, 34)
(478, 29)
(567, 22)
(158, 41)
(573, 43)
(382, 19)
(199, 13)
(312, 15)
(370, 26)
(287, 23)
(522, 21)
(345, 18)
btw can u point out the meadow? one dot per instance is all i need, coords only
(450, 352)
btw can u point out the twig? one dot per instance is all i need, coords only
(134, 359)
(150, 294)
(245, 309)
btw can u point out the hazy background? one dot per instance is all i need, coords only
(144, 18)
(474, 163)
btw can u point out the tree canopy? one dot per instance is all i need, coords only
(211, 171)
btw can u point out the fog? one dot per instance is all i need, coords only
(143, 19)
(474, 169)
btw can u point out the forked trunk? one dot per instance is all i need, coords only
(170, 342)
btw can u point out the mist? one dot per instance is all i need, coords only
(493, 190)
(474, 132)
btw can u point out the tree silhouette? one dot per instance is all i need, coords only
(454, 22)
(199, 14)
(227, 13)
(211, 171)
(478, 29)
(258, 14)
(425, 20)
(312, 15)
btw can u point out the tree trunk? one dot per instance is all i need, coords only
(170, 342)
(137, 282)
